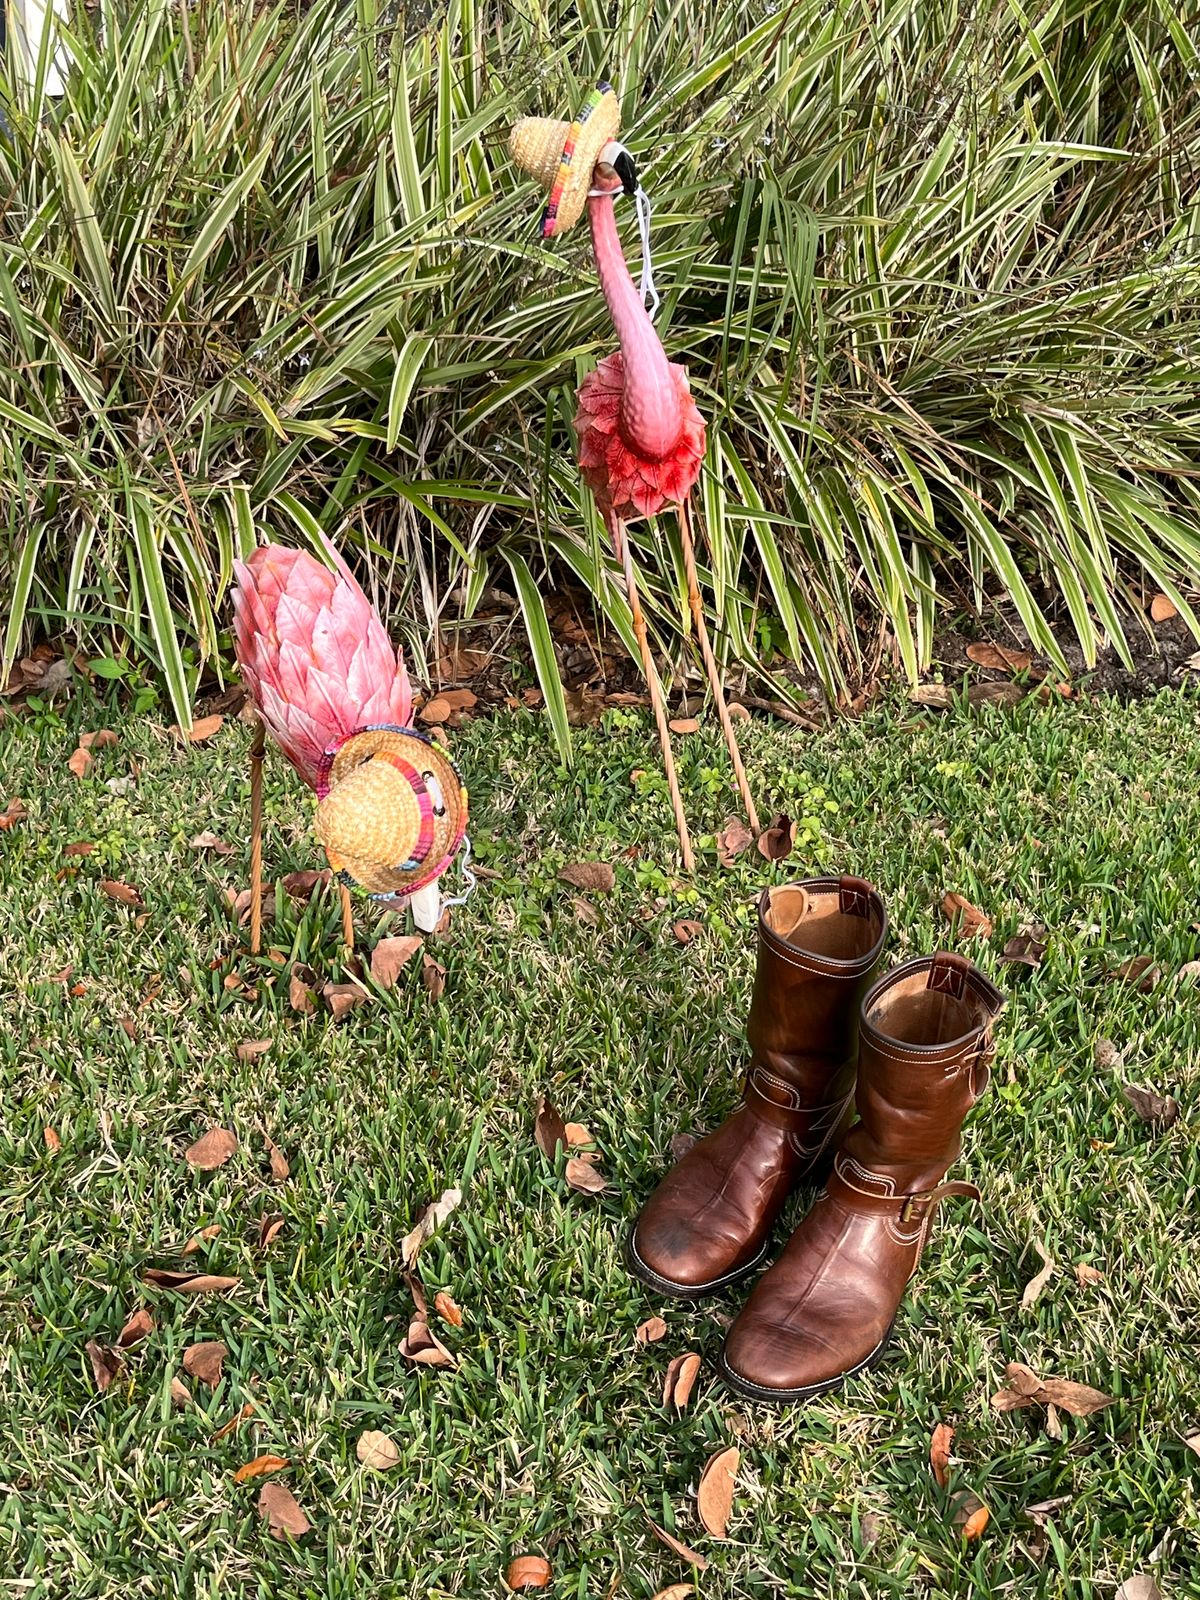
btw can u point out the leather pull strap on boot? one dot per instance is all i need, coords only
(708, 1223)
(826, 1308)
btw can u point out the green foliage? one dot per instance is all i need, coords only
(935, 275)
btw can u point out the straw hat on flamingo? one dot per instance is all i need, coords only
(561, 155)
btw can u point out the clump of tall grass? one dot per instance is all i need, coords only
(935, 271)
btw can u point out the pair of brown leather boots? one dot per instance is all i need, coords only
(911, 1053)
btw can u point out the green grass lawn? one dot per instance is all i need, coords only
(549, 1436)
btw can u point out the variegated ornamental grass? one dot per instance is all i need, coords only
(935, 274)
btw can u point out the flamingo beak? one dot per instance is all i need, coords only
(616, 162)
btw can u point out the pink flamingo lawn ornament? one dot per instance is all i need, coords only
(640, 433)
(335, 697)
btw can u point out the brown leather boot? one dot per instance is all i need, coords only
(825, 1309)
(708, 1222)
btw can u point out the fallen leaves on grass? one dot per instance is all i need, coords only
(436, 711)
(234, 1422)
(447, 1308)
(200, 731)
(302, 885)
(681, 1143)
(1143, 972)
(427, 1224)
(189, 1282)
(15, 811)
(278, 1505)
(651, 1331)
(1024, 949)
(686, 931)
(1044, 1509)
(212, 1150)
(80, 763)
(1140, 1587)
(433, 977)
(1037, 1283)
(968, 920)
(999, 657)
(341, 998)
(52, 1141)
(549, 1129)
(733, 838)
(424, 1347)
(1087, 1275)
(680, 1379)
(249, 1049)
(200, 1239)
(1108, 1056)
(595, 877)
(269, 1229)
(205, 1361)
(583, 1176)
(280, 1170)
(683, 1551)
(260, 1467)
(971, 1516)
(1162, 1110)
(390, 957)
(528, 1572)
(714, 1496)
(138, 1327)
(107, 1365)
(1192, 1440)
(676, 1591)
(684, 725)
(302, 995)
(181, 1395)
(939, 1452)
(125, 893)
(1025, 1388)
(578, 1134)
(210, 841)
(777, 838)
(377, 1451)
(1163, 608)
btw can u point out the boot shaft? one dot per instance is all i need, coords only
(924, 1049)
(818, 945)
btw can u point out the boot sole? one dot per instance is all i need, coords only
(810, 1391)
(687, 1291)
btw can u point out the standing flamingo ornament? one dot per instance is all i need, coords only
(335, 697)
(641, 436)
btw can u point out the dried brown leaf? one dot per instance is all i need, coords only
(447, 1308)
(234, 1422)
(205, 1361)
(201, 730)
(424, 1347)
(15, 811)
(80, 847)
(582, 1175)
(1108, 1056)
(377, 1451)
(52, 1141)
(999, 658)
(1087, 1275)
(1037, 1283)
(124, 892)
(1044, 1509)
(269, 1229)
(995, 694)
(201, 1238)
(1192, 1440)
(681, 1143)
(1141, 971)
(302, 885)
(1163, 608)
(107, 1365)
(733, 838)
(1160, 1109)
(436, 711)
(427, 1224)
(585, 911)
(971, 1516)
(937, 695)
(433, 977)
(1077, 1398)
(138, 1327)
(939, 1452)
(280, 1170)
(549, 1129)
(714, 1497)
(971, 922)
(1024, 949)
(341, 998)
(683, 1551)
(651, 1331)
(259, 1467)
(578, 1134)
(283, 1515)
(1140, 1587)
(595, 877)
(529, 1572)
(677, 1591)
(300, 997)
(390, 957)
(684, 725)
(212, 1150)
(777, 838)
(249, 1049)
(686, 931)
(80, 762)
(189, 1282)
(210, 841)
(680, 1379)
(181, 1395)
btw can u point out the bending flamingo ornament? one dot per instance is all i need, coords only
(640, 433)
(335, 697)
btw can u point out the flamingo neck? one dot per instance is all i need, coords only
(651, 417)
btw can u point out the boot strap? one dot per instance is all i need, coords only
(883, 1201)
(782, 1105)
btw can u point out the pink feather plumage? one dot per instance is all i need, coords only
(314, 656)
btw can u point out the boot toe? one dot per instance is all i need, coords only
(769, 1360)
(675, 1251)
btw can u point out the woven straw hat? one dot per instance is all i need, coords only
(561, 155)
(393, 810)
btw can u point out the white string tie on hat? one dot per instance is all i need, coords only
(641, 200)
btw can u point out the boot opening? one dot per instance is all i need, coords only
(810, 919)
(911, 1013)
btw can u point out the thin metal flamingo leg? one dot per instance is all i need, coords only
(258, 750)
(710, 665)
(616, 529)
